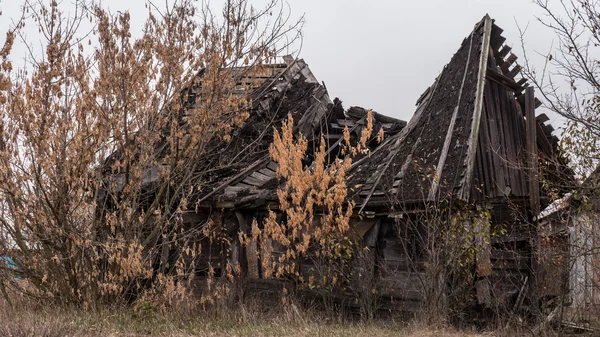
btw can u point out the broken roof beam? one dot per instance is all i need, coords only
(496, 37)
(503, 52)
(504, 80)
(514, 71)
(506, 64)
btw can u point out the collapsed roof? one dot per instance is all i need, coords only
(466, 139)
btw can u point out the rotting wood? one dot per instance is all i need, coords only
(442, 161)
(251, 247)
(482, 133)
(504, 51)
(514, 71)
(532, 151)
(483, 290)
(465, 188)
(534, 194)
(504, 80)
(482, 230)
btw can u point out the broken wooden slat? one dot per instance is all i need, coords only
(235, 179)
(232, 191)
(504, 80)
(542, 140)
(511, 59)
(362, 227)
(504, 51)
(333, 136)
(263, 177)
(514, 71)
(268, 172)
(345, 122)
(253, 181)
(542, 118)
(273, 166)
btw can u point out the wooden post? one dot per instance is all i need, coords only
(534, 194)
(534, 189)
(483, 259)
(251, 249)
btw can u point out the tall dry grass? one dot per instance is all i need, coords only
(29, 318)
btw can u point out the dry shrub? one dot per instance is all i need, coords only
(102, 136)
(314, 218)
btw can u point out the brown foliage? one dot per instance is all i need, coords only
(82, 229)
(313, 202)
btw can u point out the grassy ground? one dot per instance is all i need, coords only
(25, 321)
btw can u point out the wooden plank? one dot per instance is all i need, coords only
(345, 122)
(479, 190)
(483, 290)
(232, 191)
(505, 66)
(514, 71)
(534, 194)
(483, 246)
(520, 131)
(370, 237)
(362, 227)
(483, 260)
(542, 118)
(511, 59)
(534, 201)
(243, 185)
(268, 172)
(486, 152)
(251, 248)
(504, 138)
(236, 178)
(504, 80)
(253, 181)
(542, 141)
(450, 131)
(504, 51)
(260, 176)
(495, 170)
(496, 38)
(272, 166)
(509, 114)
(491, 59)
(335, 126)
(522, 81)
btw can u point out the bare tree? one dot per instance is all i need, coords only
(569, 80)
(570, 84)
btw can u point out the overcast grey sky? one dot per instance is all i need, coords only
(382, 54)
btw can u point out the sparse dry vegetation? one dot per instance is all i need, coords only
(110, 143)
(33, 319)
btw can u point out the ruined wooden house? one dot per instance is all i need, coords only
(473, 143)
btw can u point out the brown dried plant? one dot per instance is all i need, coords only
(101, 140)
(314, 204)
